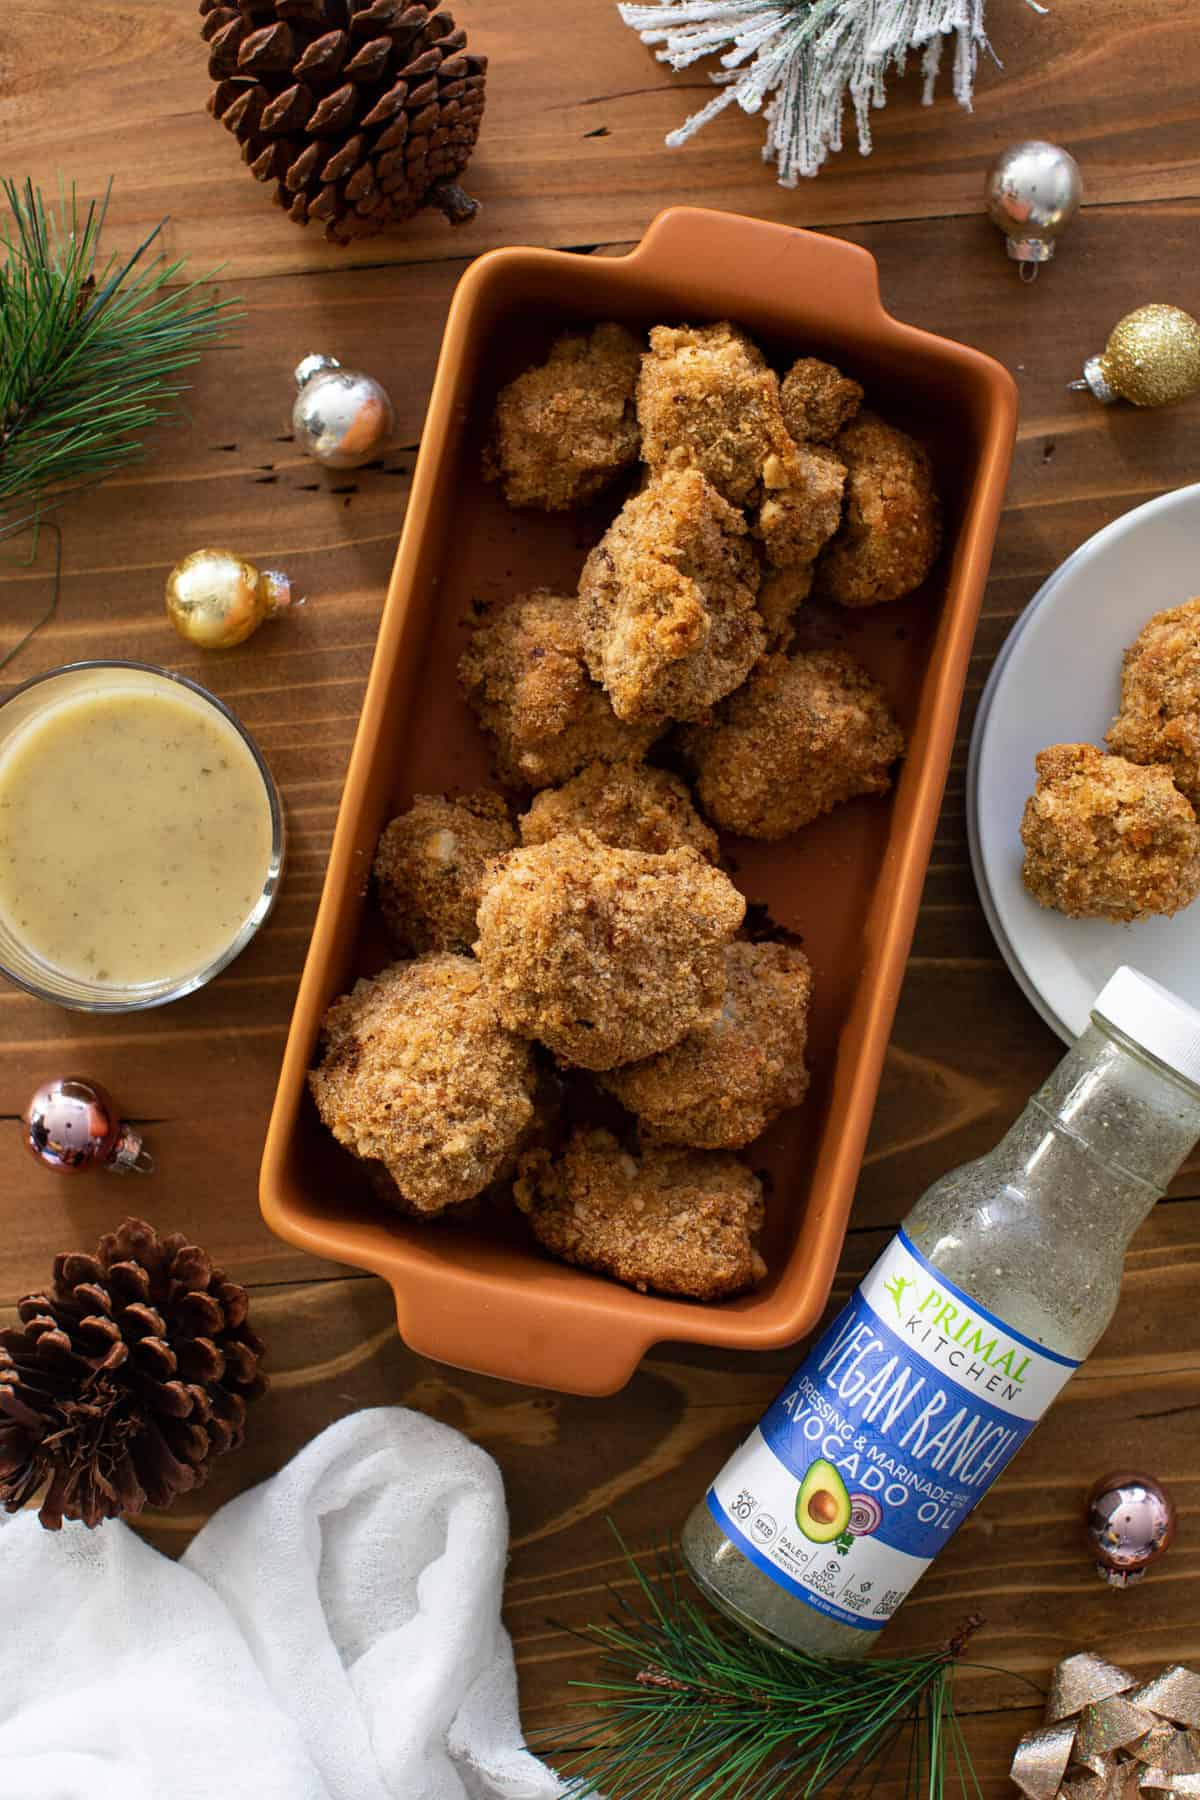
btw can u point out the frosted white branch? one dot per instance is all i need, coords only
(796, 61)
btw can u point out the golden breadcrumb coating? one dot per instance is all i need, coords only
(1108, 839)
(667, 601)
(817, 400)
(605, 955)
(729, 1078)
(678, 1221)
(706, 399)
(564, 429)
(429, 867)
(780, 598)
(418, 1074)
(525, 677)
(627, 806)
(1159, 719)
(802, 503)
(805, 733)
(892, 526)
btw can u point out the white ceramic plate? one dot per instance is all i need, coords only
(1057, 680)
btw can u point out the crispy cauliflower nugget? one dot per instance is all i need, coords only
(707, 400)
(524, 675)
(1159, 720)
(418, 1074)
(817, 400)
(667, 601)
(892, 526)
(627, 806)
(780, 598)
(679, 1221)
(805, 733)
(565, 429)
(727, 1079)
(429, 867)
(1108, 839)
(605, 955)
(802, 503)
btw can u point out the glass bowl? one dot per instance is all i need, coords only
(28, 969)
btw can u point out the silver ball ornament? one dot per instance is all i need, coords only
(1033, 192)
(341, 417)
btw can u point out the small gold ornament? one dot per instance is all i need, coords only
(1152, 358)
(341, 417)
(216, 599)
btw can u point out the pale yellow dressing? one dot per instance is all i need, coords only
(135, 835)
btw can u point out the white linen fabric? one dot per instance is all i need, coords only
(331, 1635)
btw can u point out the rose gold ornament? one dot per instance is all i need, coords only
(341, 417)
(1130, 1524)
(216, 599)
(71, 1124)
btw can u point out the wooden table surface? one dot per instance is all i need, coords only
(572, 156)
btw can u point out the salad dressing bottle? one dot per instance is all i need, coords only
(1001, 1280)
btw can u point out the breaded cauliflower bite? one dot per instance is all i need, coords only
(418, 1074)
(802, 503)
(805, 733)
(1159, 719)
(627, 806)
(729, 1078)
(707, 400)
(667, 601)
(780, 598)
(817, 400)
(891, 530)
(429, 867)
(1108, 839)
(678, 1221)
(525, 678)
(605, 955)
(566, 428)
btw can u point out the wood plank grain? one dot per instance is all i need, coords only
(1115, 83)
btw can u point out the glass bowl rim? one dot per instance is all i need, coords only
(262, 908)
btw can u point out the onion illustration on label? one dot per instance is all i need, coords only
(866, 1515)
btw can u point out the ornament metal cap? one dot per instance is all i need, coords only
(71, 1124)
(314, 364)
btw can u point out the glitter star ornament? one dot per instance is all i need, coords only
(1152, 358)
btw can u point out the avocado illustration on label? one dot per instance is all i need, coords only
(822, 1505)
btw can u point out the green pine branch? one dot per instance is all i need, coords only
(91, 352)
(690, 1705)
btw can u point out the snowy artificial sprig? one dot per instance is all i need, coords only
(796, 60)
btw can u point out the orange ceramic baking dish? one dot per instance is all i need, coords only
(483, 1296)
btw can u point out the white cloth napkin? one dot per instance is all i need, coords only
(331, 1635)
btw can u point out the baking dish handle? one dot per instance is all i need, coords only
(727, 244)
(516, 1337)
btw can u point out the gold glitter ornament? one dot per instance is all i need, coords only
(1152, 358)
(216, 599)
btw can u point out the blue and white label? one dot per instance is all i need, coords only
(901, 1417)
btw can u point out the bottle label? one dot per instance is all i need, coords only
(901, 1417)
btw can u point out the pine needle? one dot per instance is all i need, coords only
(690, 1705)
(795, 61)
(91, 352)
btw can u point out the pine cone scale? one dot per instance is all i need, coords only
(320, 93)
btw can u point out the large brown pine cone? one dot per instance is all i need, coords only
(122, 1384)
(362, 111)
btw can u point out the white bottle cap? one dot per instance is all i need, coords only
(1157, 1020)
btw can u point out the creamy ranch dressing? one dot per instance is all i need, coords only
(135, 835)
